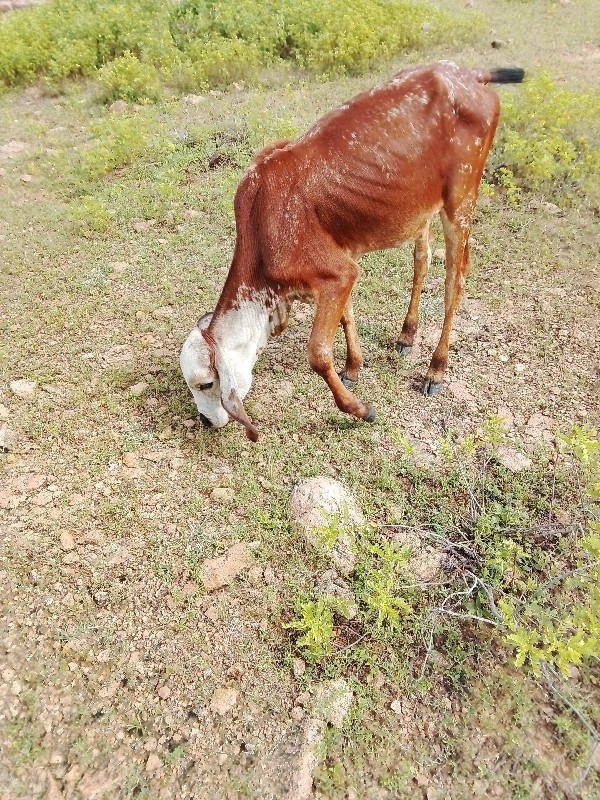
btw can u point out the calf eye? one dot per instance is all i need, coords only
(204, 386)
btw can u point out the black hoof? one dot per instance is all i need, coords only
(370, 414)
(346, 381)
(403, 349)
(431, 388)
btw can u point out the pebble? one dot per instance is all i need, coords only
(164, 692)
(118, 107)
(298, 667)
(222, 494)
(138, 389)
(23, 388)
(224, 699)
(67, 542)
(153, 764)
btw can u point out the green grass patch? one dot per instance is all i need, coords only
(547, 142)
(131, 46)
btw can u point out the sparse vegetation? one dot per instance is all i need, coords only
(547, 141)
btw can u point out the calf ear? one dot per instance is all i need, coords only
(235, 408)
(204, 321)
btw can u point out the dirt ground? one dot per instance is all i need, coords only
(113, 658)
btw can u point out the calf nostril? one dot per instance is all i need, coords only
(205, 421)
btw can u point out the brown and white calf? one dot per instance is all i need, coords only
(369, 175)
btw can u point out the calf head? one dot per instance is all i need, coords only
(211, 381)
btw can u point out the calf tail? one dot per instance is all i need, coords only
(502, 75)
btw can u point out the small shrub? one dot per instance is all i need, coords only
(128, 78)
(547, 142)
(199, 43)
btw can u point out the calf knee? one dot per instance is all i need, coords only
(320, 357)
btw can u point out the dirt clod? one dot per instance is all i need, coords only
(221, 571)
(23, 388)
(223, 700)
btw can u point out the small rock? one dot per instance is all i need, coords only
(254, 575)
(164, 692)
(332, 702)
(223, 700)
(130, 461)
(316, 504)
(512, 459)
(562, 517)
(222, 494)
(150, 745)
(298, 667)
(3, 412)
(163, 312)
(269, 576)
(23, 388)
(138, 389)
(153, 764)
(297, 713)
(552, 208)
(396, 707)
(221, 571)
(67, 542)
(8, 438)
(142, 227)
(25, 178)
(118, 107)
(440, 253)
(12, 148)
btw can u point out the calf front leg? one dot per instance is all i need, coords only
(331, 299)
(456, 232)
(421, 260)
(354, 356)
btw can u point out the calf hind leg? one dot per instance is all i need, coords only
(354, 357)
(422, 260)
(456, 233)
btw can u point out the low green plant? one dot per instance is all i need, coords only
(193, 44)
(315, 623)
(380, 594)
(547, 142)
(562, 628)
(128, 78)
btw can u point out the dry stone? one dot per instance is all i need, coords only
(332, 702)
(223, 700)
(221, 571)
(8, 438)
(426, 560)
(314, 503)
(23, 388)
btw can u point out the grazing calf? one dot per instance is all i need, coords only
(369, 175)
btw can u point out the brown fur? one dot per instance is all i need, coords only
(367, 176)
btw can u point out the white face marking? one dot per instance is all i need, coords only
(239, 335)
(194, 361)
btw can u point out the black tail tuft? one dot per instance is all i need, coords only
(507, 75)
